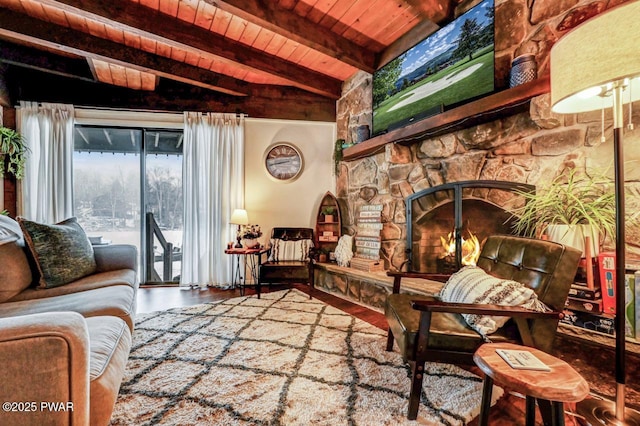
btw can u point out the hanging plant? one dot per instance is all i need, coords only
(12, 152)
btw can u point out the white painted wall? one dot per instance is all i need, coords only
(270, 203)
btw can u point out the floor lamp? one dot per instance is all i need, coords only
(593, 67)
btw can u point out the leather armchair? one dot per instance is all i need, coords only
(287, 271)
(427, 329)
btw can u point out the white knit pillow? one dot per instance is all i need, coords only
(344, 250)
(472, 284)
(282, 250)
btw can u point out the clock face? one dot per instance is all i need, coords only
(283, 161)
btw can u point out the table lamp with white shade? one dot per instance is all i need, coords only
(239, 217)
(596, 66)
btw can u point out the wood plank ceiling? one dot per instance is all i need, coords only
(272, 59)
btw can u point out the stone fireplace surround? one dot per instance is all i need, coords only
(530, 148)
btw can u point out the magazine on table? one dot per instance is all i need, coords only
(522, 360)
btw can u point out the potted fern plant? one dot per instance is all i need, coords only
(572, 206)
(12, 152)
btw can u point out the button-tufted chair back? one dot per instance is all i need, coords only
(544, 266)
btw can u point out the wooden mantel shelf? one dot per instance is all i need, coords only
(508, 101)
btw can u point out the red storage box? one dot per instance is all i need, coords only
(607, 267)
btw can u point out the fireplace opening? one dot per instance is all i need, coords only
(448, 224)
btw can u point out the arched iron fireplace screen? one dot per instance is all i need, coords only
(447, 224)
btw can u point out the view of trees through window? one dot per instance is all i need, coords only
(109, 192)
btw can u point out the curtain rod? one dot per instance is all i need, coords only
(123, 110)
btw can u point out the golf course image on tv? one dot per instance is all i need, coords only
(452, 65)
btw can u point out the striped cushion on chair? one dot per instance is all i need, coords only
(472, 284)
(290, 250)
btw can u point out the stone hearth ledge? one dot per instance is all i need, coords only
(369, 289)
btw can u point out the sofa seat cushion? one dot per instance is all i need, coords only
(90, 282)
(447, 331)
(110, 342)
(117, 300)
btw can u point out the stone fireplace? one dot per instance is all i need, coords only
(448, 224)
(530, 145)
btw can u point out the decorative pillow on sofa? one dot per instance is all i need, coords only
(15, 273)
(289, 250)
(62, 251)
(472, 284)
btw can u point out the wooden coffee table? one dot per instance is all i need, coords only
(561, 384)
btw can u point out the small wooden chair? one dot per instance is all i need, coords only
(281, 270)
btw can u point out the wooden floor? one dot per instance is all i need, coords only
(508, 411)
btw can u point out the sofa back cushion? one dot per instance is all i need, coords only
(15, 273)
(62, 252)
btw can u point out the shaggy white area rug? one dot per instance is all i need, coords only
(280, 360)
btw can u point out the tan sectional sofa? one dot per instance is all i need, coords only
(63, 350)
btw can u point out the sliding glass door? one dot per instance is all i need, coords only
(163, 205)
(116, 172)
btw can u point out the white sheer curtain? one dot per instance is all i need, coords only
(213, 186)
(47, 187)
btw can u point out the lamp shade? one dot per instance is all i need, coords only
(239, 217)
(599, 51)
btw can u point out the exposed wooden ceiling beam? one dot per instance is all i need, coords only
(147, 22)
(272, 102)
(35, 59)
(18, 26)
(15, 54)
(288, 24)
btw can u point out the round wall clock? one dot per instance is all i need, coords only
(283, 161)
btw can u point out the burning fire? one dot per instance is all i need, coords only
(470, 247)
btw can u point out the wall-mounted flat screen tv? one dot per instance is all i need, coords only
(453, 65)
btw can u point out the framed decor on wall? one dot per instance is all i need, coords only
(283, 162)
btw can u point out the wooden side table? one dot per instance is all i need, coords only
(561, 384)
(254, 256)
